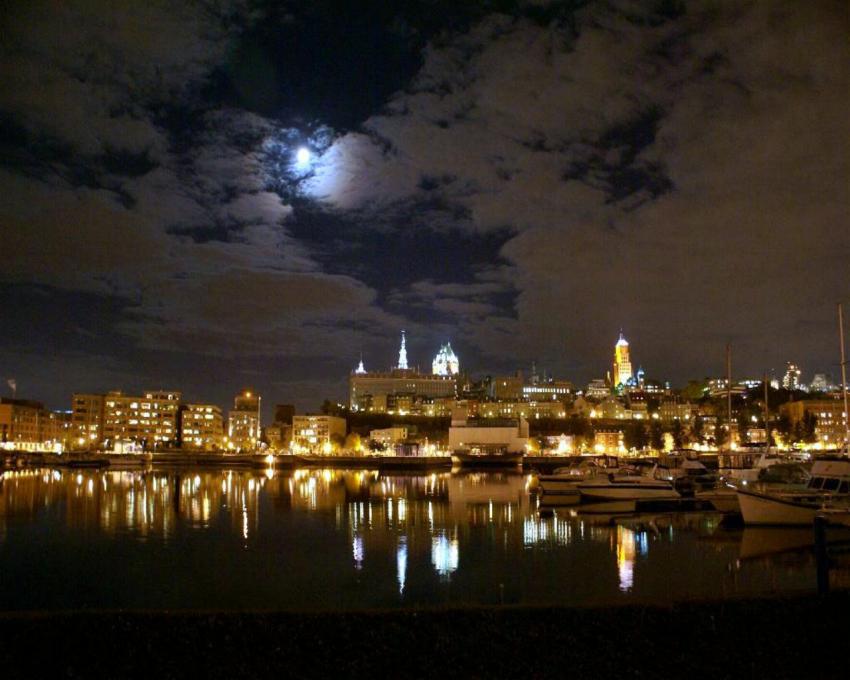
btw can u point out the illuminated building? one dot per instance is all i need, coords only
(398, 390)
(670, 410)
(243, 422)
(608, 441)
(201, 427)
(26, 424)
(830, 427)
(519, 408)
(389, 436)
(556, 390)
(317, 433)
(402, 354)
(446, 361)
(87, 420)
(821, 383)
(791, 379)
(148, 421)
(622, 362)
(501, 436)
(597, 389)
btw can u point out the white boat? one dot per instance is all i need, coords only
(828, 488)
(628, 486)
(565, 480)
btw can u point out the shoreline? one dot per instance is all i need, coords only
(778, 637)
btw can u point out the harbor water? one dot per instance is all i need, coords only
(358, 539)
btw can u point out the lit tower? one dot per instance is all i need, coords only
(446, 361)
(361, 369)
(622, 362)
(402, 354)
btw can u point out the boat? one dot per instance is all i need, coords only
(565, 480)
(626, 485)
(828, 489)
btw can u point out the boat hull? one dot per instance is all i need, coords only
(774, 510)
(624, 492)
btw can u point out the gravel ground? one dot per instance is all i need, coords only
(801, 637)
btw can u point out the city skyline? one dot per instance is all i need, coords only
(215, 198)
(788, 376)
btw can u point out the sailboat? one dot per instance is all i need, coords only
(827, 490)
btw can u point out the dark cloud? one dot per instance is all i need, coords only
(522, 178)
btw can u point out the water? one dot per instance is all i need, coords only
(340, 539)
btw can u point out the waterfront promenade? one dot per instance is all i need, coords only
(789, 637)
(11, 460)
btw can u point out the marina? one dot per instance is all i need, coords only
(319, 538)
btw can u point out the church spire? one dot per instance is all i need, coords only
(402, 353)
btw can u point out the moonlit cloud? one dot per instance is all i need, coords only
(532, 186)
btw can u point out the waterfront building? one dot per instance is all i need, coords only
(317, 433)
(26, 424)
(446, 361)
(87, 420)
(622, 363)
(389, 436)
(149, 421)
(201, 427)
(608, 441)
(496, 436)
(791, 379)
(243, 421)
(830, 428)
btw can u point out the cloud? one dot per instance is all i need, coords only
(679, 175)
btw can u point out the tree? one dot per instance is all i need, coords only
(656, 435)
(808, 427)
(635, 436)
(679, 434)
(697, 428)
(743, 427)
(721, 433)
(785, 429)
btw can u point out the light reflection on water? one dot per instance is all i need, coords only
(351, 539)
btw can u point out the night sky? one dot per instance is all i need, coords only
(521, 178)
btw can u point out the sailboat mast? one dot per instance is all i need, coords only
(729, 392)
(766, 416)
(843, 379)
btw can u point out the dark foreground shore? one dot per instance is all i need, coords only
(800, 637)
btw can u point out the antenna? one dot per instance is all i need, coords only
(843, 380)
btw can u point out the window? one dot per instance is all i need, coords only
(831, 484)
